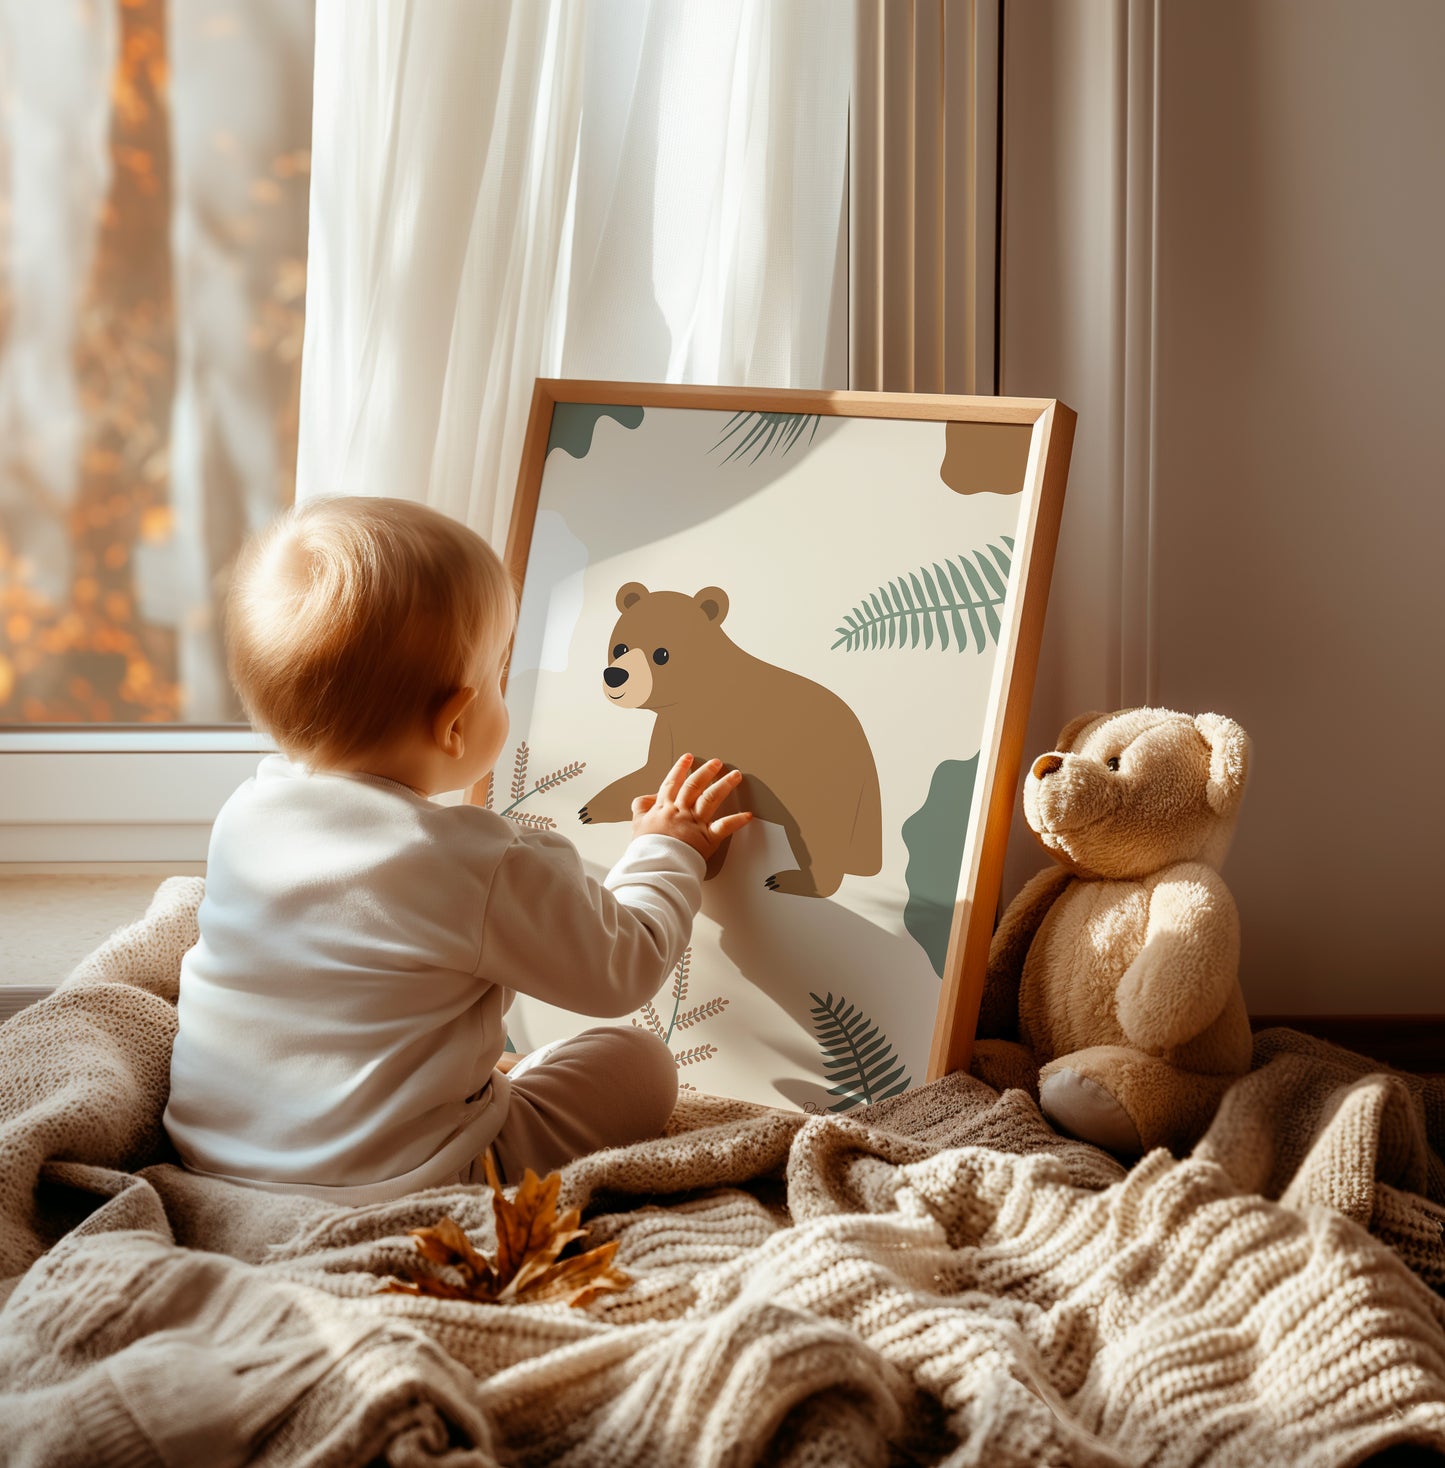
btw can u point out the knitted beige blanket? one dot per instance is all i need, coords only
(941, 1280)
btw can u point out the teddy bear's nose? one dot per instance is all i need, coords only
(1046, 764)
(614, 677)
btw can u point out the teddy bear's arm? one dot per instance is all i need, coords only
(998, 1014)
(1189, 964)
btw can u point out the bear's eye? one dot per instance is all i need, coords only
(618, 650)
(1112, 762)
(660, 656)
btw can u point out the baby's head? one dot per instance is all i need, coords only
(350, 621)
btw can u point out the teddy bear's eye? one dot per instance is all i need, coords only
(1112, 762)
(619, 650)
(660, 656)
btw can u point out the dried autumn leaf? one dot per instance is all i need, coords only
(530, 1241)
(581, 1278)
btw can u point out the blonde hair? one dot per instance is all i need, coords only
(350, 617)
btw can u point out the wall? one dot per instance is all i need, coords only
(1222, 245)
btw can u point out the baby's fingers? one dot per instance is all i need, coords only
(643, 804)
(726, 826)
(690, 796)
(672, 780)
(718, 792)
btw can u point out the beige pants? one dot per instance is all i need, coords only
(603, 1088)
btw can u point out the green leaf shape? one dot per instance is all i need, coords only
(765, 433)
(573, 424)
(857, 1054)
(934, 836)
(931, 604)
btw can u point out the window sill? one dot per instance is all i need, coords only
(49, 922)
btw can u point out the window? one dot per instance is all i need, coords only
(154, 173)
(154, 163)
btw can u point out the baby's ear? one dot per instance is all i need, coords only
(630, 595)
(714, 603)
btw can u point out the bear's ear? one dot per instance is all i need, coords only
(1228, 761)
(630, 595)
(714, 603)
(1069, 735)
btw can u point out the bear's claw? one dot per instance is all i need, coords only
(771, 883)
(801, 883)
(584, 817)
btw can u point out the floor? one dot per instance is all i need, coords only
(49, 923)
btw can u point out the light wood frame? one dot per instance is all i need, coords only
(1015, 663)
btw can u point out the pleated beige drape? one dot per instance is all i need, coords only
(924, 188)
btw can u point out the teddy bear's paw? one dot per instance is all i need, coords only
(1084, 1109)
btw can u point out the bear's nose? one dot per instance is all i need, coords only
(1046, 764)
(614, 677)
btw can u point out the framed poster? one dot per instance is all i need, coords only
(842, 595)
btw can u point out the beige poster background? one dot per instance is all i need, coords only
(797, 539)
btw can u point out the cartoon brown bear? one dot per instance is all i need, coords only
(804, 756)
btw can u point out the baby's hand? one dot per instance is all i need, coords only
(684, 805)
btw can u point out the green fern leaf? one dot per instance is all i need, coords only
(936, 602)
(981, 590)
(918, 605)
(953, 611)
(908, 623)
(965, 602)
(765, 433)
(990, 574)
(795, 431)
(922, 602)
(857, 1055)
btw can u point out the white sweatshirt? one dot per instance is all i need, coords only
(342, 1012)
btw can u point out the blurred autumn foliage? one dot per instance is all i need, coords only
(82, 639)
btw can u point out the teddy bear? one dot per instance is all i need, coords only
(1112, 990)
(806, 762)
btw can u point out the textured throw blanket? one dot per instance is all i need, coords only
(938, 1280)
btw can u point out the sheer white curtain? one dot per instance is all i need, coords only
(642, 189)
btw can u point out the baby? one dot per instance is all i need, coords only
(342, 1016)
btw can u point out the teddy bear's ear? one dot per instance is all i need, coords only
(714, 603)
(1073, 729)
(630, 594)
(1228, 761)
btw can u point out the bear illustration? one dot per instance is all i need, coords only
(804, 756)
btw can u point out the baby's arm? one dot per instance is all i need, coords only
(597, 948)
(602, 949)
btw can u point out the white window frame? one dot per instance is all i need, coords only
(118, 795)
